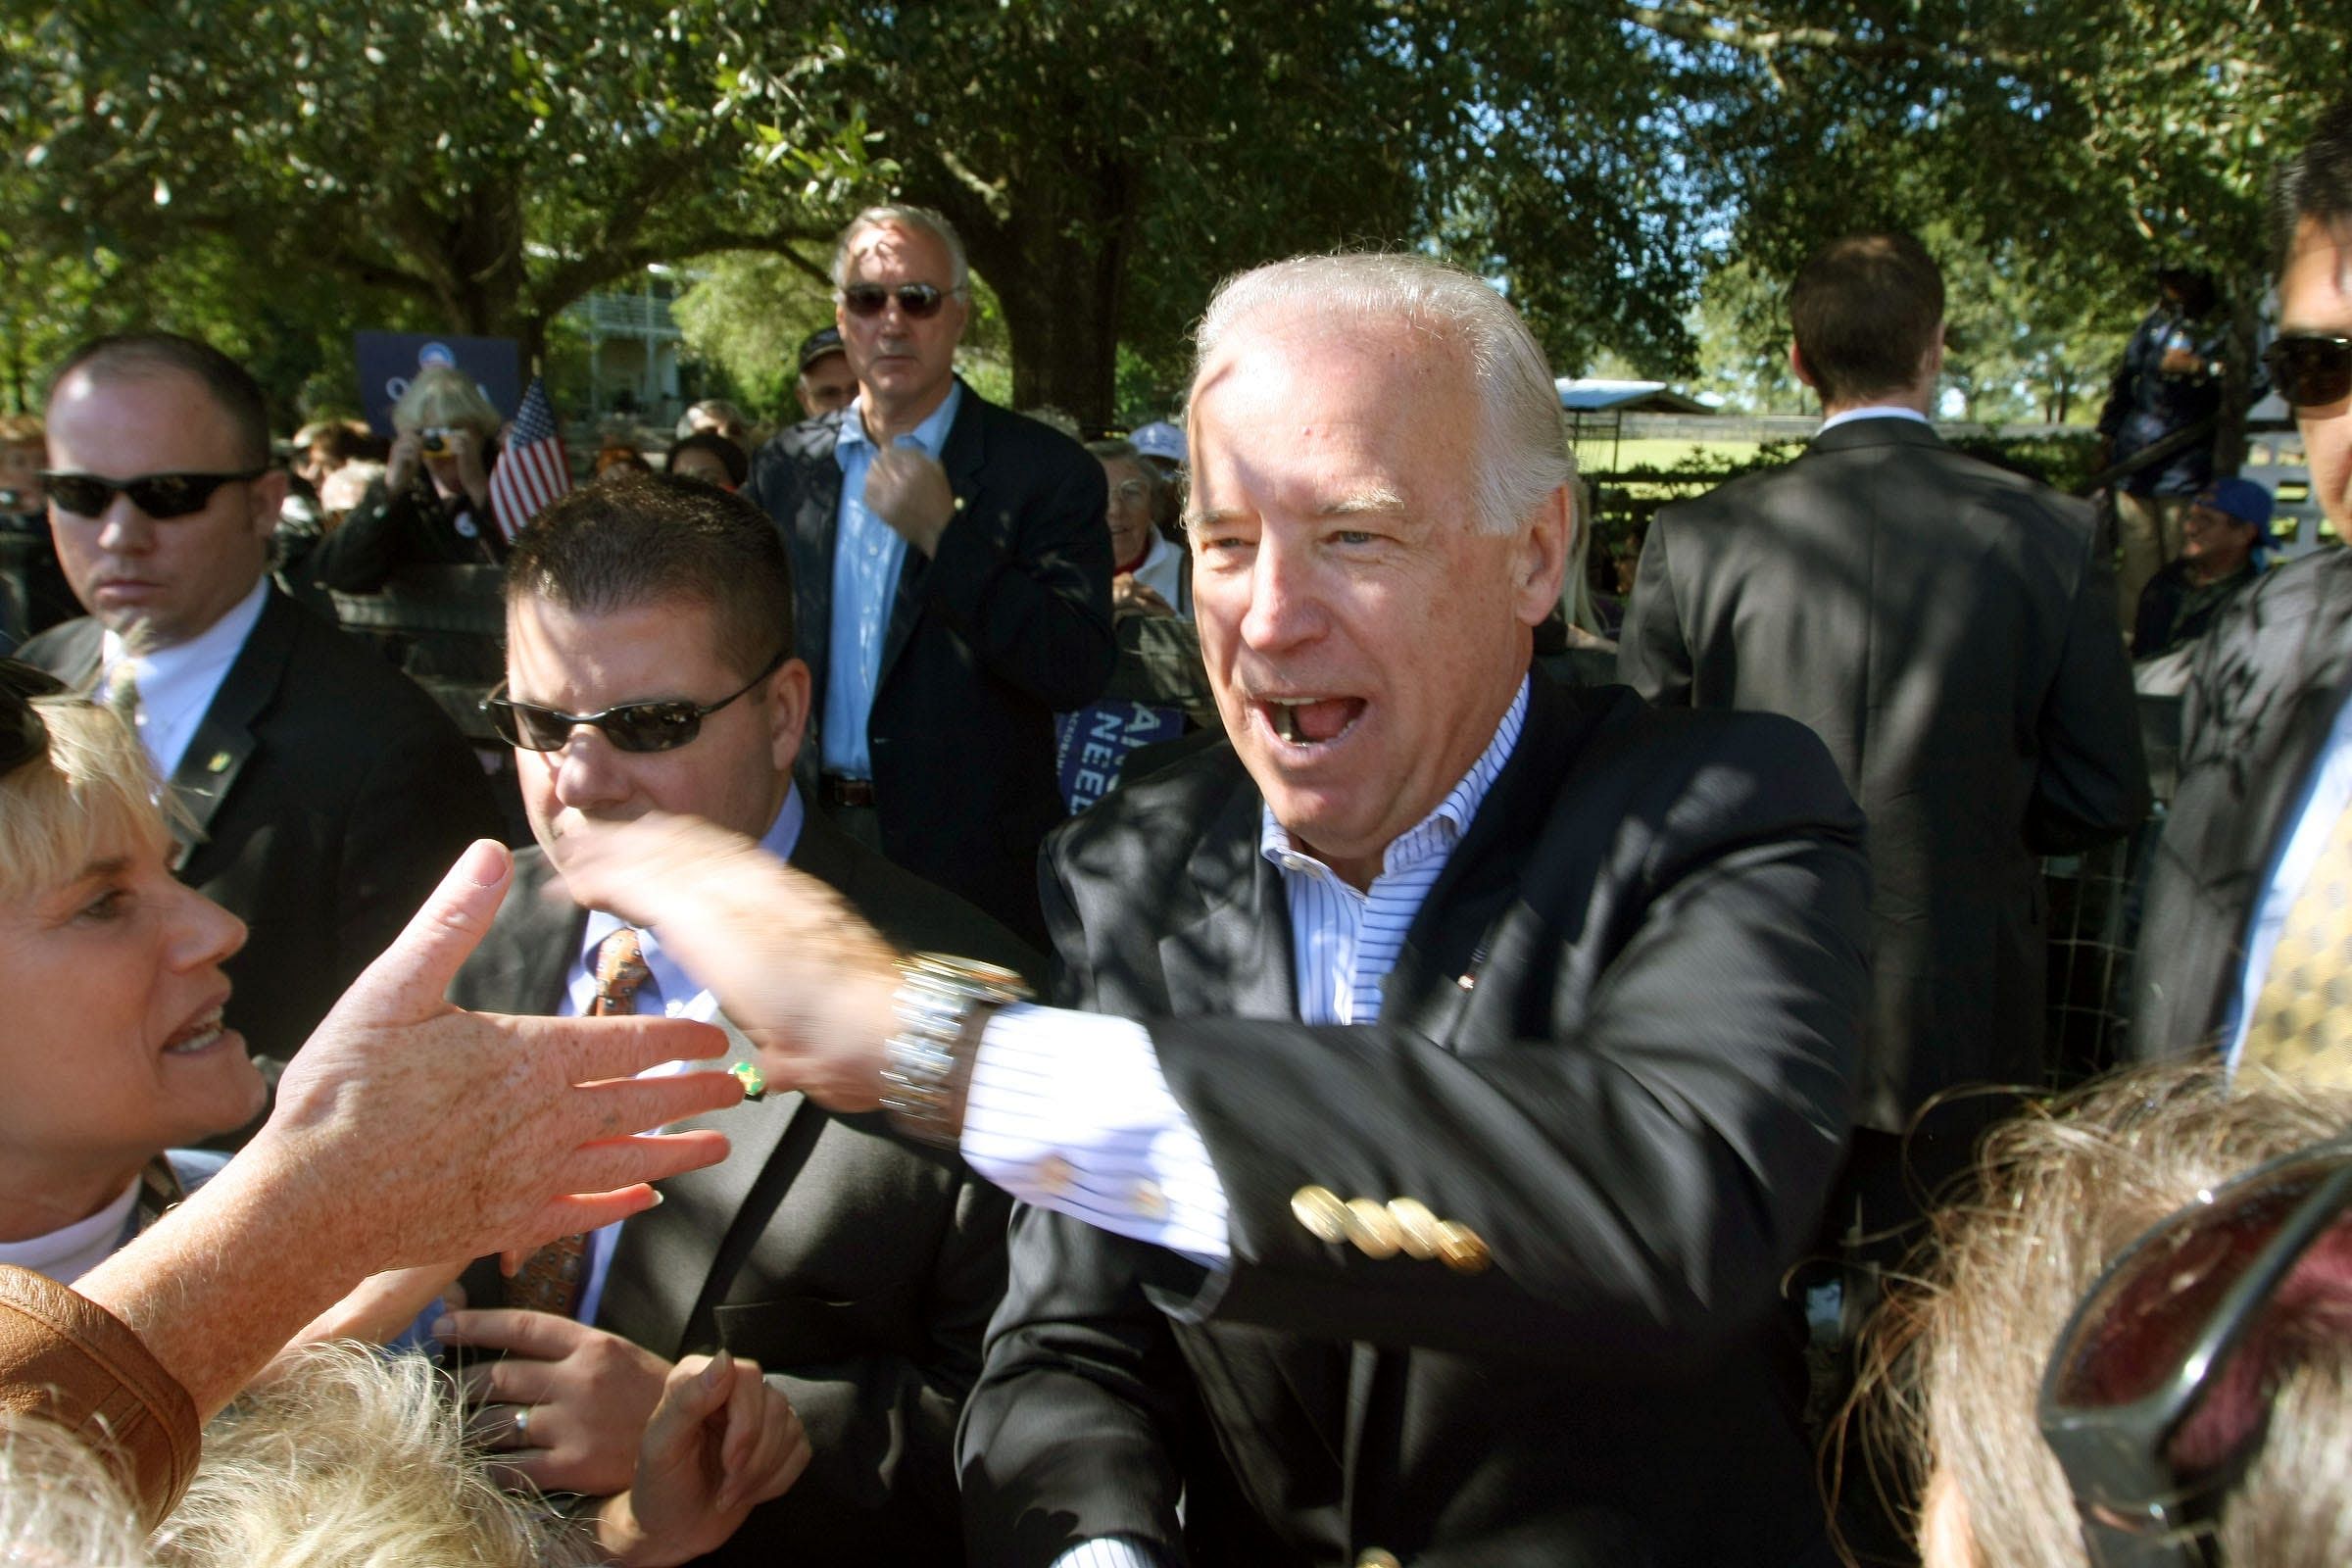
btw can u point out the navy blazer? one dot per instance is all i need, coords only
(1010, 625)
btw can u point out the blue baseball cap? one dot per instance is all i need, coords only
(2243, 499)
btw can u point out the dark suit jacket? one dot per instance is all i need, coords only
(1618, 1045)
(2264, 688)
(1010, 625)
(329, 794)
(857, 1271)
(1944, 627)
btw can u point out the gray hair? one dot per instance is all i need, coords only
(1523, 451)
(922, 220)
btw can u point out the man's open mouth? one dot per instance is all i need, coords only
(1311, 720)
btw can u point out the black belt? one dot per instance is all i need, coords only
(836, 788)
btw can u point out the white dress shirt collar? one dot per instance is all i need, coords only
(177, 684)
(1873, 411)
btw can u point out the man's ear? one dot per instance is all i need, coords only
(788, 692)
(1539, 555)
(1796, 367)
(267, 497)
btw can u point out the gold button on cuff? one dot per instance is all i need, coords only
(1416, 1227)
(1377, 1558)
(1463, 1248)
(1053, 1175)
(1321, 1212)
(1370, 1228)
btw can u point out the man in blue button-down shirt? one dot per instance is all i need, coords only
(953, 580)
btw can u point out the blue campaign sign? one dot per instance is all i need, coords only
(388, 359)
(1094, 743)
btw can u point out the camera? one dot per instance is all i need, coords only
(436, 439)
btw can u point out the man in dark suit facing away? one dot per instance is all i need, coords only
(1463, 1058)
(1944, 627)
(953, 581)
(321, 793)
(649, 640)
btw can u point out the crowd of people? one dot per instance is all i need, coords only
(1105, 1006)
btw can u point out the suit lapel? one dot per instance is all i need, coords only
(961, 455)
(818, 524)
(1231, 954)
(80, 646)
(662, 1264)
(223, 741)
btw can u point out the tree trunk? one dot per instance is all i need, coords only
(2237, 372)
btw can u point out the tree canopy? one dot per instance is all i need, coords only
(1640, 176)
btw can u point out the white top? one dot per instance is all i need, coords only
(1875, 411)
(69, 1252)
(177, 684)
(1163, 571)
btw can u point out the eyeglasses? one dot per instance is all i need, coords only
(918, 302)
(158, 495)
(2310, 369)
(2147, 1343)
(1130, 493)
(661, 726)
(23, 734)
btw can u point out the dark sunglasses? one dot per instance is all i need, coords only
(23, 734)
(158, 495)
(918, 302)
(2310, 369)
(661, 726)
(2146, 1343)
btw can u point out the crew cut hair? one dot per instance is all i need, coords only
(1523, 451)
(2316, 183)
(129, 355)
(662, 538)
(1864, 311)
(923, 219)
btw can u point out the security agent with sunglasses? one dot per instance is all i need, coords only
(647, 625)
(2235, 947)
(953, 581)
(323, 793)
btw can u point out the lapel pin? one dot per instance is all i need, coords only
(218, 763)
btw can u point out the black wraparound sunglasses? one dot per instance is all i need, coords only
(660, 726)
(918, 302)
(158, 495)
(2146, 1346)
(2310, 369)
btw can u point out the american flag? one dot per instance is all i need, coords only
(533, 470)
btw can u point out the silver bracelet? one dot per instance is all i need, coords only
(943, 1003)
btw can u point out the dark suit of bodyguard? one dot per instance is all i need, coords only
(1945, 627)
(997, 624)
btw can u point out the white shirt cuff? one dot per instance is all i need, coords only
(1109, 1551)
(1069, 1111)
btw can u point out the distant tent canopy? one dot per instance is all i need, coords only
(1593, 395)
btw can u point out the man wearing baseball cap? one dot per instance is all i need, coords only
(826, 380)
(2224, 528)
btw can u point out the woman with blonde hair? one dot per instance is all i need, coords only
(432, 506)
(2132, 1343)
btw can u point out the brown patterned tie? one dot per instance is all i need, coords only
(2302, 1023)
(549, 1280)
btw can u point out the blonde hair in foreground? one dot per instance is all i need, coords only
(59, 1506)
(1952, 1365)
(94, 792)
(345, 1457)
